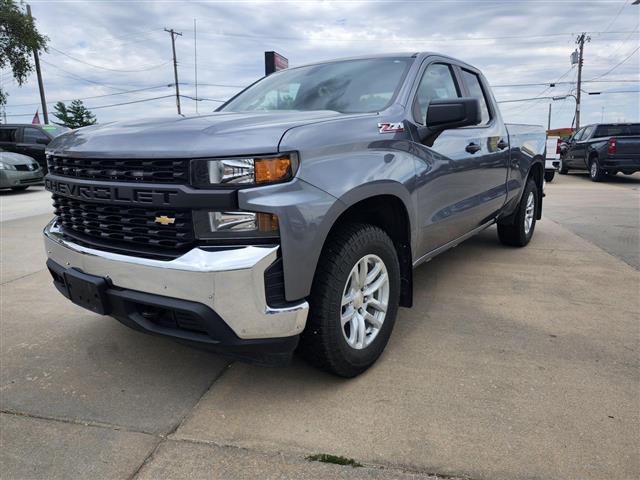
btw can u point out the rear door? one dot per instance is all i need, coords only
(461, 173)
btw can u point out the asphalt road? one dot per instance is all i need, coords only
(513, 363)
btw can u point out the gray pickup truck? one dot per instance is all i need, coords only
(293, 216)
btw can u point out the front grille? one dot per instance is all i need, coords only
(128, 228)
(122, 170)
(26, 167)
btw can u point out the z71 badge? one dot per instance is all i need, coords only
(390, 127)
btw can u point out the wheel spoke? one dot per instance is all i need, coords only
(372, 319)
(347, 316)
(362, 272)
(371, 276)
(377, 305)
(361, 331)
(347, 298)
(382, 279)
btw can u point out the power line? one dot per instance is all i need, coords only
(624, 4)
(561, 83)
(78, 77)
(617, 65)
(129, 103)
(144, 69)
(97, 96)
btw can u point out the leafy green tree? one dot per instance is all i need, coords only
(18, 38)
(75, 115)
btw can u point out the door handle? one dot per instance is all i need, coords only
(502, 144)
(473, 147)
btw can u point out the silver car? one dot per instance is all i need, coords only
(18, 172)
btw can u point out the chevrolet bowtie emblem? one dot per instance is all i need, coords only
(164, 220)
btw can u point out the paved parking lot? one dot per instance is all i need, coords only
(513, 363)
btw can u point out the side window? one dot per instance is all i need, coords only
(475, 89)
(587, 132)
(578, 136)
(437, 82)
(8, 134)
(33, 135)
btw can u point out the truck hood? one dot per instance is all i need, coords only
(218, 134)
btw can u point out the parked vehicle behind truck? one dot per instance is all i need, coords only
(294, 215)
(603, 149)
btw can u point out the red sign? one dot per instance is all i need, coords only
(274, 62)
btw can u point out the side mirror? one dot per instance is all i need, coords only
(43, 141)
(444, 114)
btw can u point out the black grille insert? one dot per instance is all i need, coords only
(125, 227)
(122, 170)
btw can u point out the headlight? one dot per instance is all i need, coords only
(243, 171)
(6, 166)
(234, 225)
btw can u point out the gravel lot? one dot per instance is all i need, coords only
(513, 363)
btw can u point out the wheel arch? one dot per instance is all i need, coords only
(389, 212)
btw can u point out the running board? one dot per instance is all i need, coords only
(454, 243)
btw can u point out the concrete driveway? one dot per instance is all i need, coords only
(513, 363)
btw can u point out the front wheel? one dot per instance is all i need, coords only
(353, 302)
(19, 189)
(548, 175)
(519, 230)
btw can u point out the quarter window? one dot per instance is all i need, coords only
(437, 82)
(476, 91)
(8, 134)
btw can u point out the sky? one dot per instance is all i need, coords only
(101, 50)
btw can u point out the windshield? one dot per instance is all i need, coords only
(55, 130)
(350, 86)
(617, 130)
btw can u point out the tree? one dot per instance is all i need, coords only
(19, 37)
(74, 116)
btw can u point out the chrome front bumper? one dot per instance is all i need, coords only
(230, 282)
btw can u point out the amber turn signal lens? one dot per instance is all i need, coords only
(269, 170)
(267, 222)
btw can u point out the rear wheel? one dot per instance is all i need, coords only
(548, 175)
(19, 189)
(596, 173)
(354, 301)
(518, 231)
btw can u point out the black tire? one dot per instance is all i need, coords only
(548, 175)
(19, 189)
(596, 174)
(323, 343)
(563, 170)
(513, 232)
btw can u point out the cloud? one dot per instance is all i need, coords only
(108, 40)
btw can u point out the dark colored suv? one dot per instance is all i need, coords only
(30, 140)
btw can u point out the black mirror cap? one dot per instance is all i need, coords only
(448, 113)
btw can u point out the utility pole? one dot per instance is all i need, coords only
(45, 113)
(175, 65)
(549, 121)
(195, 58)
(580, 41)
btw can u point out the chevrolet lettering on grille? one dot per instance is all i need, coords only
(105, 193)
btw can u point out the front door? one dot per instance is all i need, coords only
(33, 143)
(461, 173)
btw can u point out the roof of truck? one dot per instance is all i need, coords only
(386, 55)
